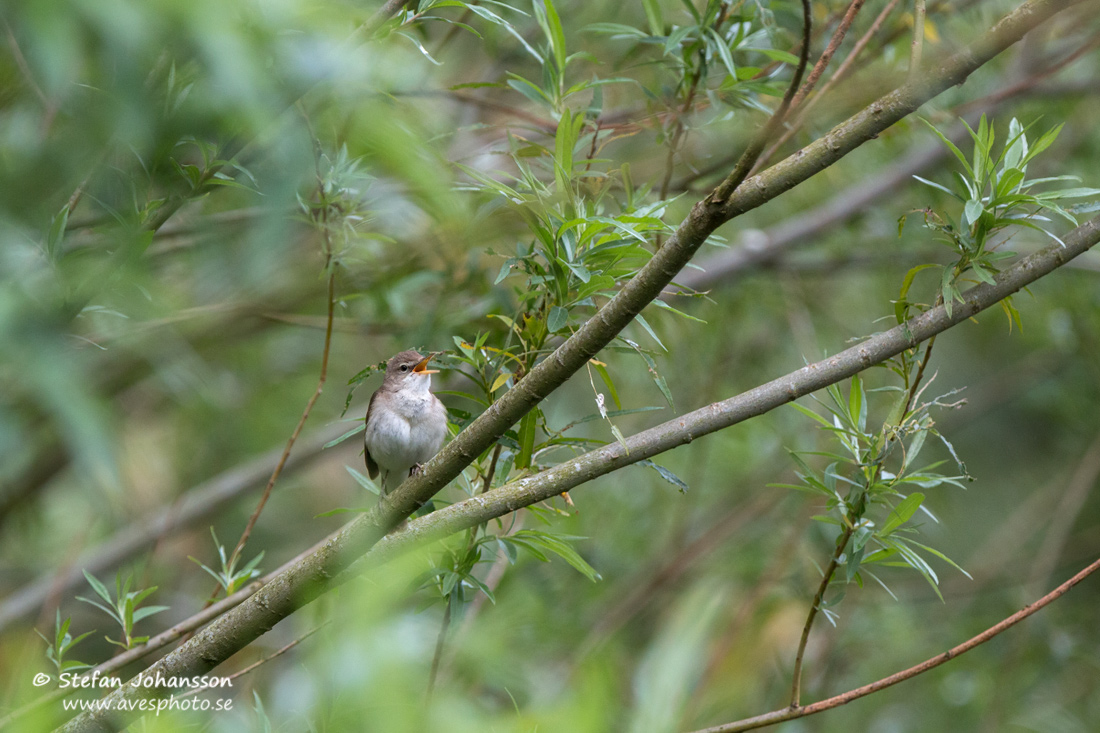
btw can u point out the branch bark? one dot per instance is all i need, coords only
(711, 418)
(317, 573)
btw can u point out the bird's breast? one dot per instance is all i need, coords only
(410, 432)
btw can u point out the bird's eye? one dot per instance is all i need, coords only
(404, 367)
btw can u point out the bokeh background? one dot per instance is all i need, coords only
(159, 341)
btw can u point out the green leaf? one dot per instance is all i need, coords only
(56, 234)
(1044, 142)
(616, 29)
(951, 146)
(363, 481)
(1017, 145)
(564, 140)
(691, 9)
(902, 513)
(937, 186)
(527, 429)
(558, 545)
(357, 429)
(505, 271)
(1068, 193)
(606, 377)
(98, 587)
(580, 271)
(649, 329)
(494, 18)
(141, 613)
(811, 414)
(857, 404)
(723, 51)
(776, 54)
(557, 319)
(340, 510)
(665, 306)
(619, 436)
(529, 89)
(653, 17)
(555, 34)
(667, 475)
(941, 556)
(973, 211)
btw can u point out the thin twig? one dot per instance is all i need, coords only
(920, 375)
(917, 45)
(331, 267)
(439, 642)
(811, 81)
(827, 54)
(779, 716)
(796, 682)
(752, 152)
(264, 660)
(301, 422)
(471, 540)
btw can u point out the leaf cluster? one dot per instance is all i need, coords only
(869, 484)
(995, 194)
(124, 607)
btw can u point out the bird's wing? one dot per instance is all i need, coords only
(372, 467)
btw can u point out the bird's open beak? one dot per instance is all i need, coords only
(422, 367)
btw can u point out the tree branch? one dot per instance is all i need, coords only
(315, 575)
(826, 578)
(716, 416)
(752, 153)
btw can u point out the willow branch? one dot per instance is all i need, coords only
(811, 81)
(748, 159)
(796, 676)
(301, 422)
(917, 46)
(316, 574)
(726, 413)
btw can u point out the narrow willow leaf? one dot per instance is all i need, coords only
(902, 513)
(363, 481)
(357, 429)
(649, 329)
(668, 475)
(526, 439)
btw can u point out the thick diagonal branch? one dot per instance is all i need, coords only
(314, 575)
(716, 416)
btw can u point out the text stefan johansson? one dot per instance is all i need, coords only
(95, 679)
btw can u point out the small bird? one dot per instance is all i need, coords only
(406, 423)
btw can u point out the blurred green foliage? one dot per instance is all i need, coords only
(175, 180)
